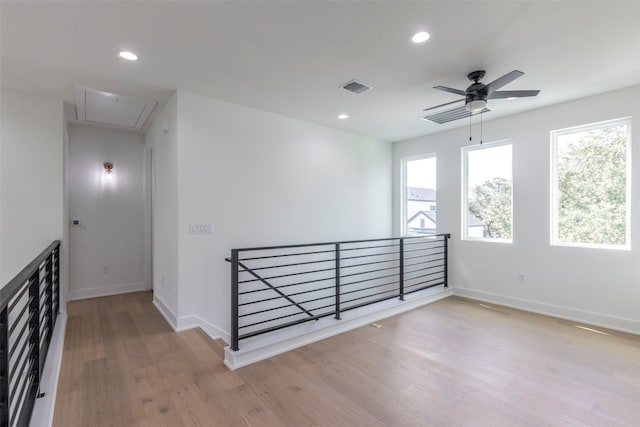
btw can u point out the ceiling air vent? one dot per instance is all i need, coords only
(355, 86)
(450, 115)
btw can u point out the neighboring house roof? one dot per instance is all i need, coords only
(421, 194)
(473, 221)
(431, 215)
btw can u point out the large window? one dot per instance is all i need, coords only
(419, 195)
(591, 185)
(487, 192)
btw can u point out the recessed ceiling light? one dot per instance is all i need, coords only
(129, 56)
(511, 98)
(343, 116)
(420, 37)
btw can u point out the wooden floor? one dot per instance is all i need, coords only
(452, 363)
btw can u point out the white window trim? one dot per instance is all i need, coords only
(465, 169)
(403, 190)
(554, 193)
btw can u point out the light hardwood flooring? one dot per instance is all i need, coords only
(452, 363)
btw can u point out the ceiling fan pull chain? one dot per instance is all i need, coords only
(469, 127)
(481, 113)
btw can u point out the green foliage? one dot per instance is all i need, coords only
(592, 186)
(491, 203)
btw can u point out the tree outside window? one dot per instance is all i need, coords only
(591, 185)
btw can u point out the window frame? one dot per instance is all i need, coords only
(465, 188)
(403, 190)
(554, 193)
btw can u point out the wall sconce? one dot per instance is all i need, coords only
(108, 170)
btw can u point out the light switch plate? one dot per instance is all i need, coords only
(200, 228)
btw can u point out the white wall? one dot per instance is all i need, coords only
(596, 286)
(31, 178)
(263, 179)
(162, 139)
(111, 212)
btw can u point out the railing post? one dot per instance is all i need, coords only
(401, 269)
(338, 281)
(234, 300)
(445, 238)
(4, 367)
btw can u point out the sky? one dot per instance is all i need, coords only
(484, 164)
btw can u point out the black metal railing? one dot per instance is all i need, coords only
(29, 306)
(276, 287)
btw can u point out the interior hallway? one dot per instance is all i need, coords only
(454, 362)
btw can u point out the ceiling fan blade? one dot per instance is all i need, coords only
(442, 105)
(504, 80)
(512, 94)
(451, 90)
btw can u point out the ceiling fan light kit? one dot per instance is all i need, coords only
(477, 94)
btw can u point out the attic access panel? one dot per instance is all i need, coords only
(110, 109)
(450, 115)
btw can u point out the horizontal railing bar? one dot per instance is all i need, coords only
(21, 396)
(370, 302)
(370, 271)
(26, 345)
(286, 286)
(22, 374)
(372, 295)
(15, 285)
(424, 262)
(367, 247)
(424, 255)
(366, 280)
(18, 298)
(286, 275)
(291, 295)
(15, 344)
(388, 239)
(426, 281)
(425, 287)
(284, 255)
(19, 316)
(273, 320)
(426, 268)
(424, 249)
(286, 265)
(284, 306)
(370, 287)
(284, 325)
(423, 276)
(370, 263)
(428, 240)
(367, 256)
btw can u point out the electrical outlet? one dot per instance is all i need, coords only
(521, 278)
(105, 269)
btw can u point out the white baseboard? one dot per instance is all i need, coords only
(42, 415)
(166, 312)
(568, 313)
(264, 346)
(103, 291)
(189, 322)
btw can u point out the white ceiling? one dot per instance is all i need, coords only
(291, 57)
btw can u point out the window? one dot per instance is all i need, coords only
(591, 185)
(487, 203)
(419, 195)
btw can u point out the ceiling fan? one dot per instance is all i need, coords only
(476, 95)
